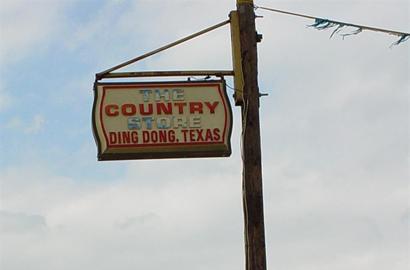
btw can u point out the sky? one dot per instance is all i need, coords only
(334, 128)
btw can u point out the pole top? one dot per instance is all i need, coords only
(238, 2)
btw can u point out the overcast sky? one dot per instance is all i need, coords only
(335, 141)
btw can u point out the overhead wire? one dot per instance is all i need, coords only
(322, 24)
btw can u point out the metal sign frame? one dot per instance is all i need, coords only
(220, 148)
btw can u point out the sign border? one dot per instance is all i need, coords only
(198, 153)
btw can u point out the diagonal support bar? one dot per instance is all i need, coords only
(163, 48)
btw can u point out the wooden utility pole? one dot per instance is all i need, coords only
(252, 169)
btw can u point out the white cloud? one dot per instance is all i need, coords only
(20, 223)
(26, 125)
(5, 99)
(25, 25)
(121, 221)
(36, 125)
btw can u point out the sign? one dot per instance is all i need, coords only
(161, 120)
